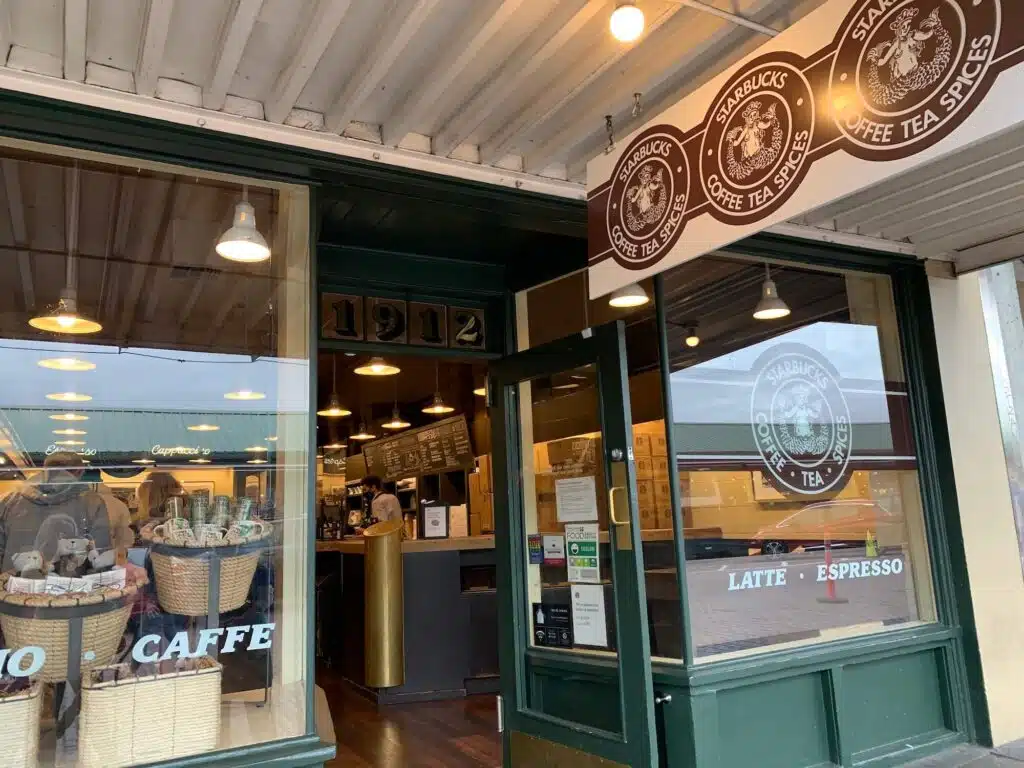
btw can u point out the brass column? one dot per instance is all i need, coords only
(385, 625)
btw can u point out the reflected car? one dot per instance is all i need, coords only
(842, 522)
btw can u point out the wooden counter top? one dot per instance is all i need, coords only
(355, 545)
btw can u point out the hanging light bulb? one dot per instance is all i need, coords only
(770, 307)
(397, 422)
(632, 295)
(243, 242)
(377, 367)
(692, 339)
(438, 406)
(627, 22)
(66, 364)
(334, 409)
(362, 434)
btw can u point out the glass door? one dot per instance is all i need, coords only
(574, 643)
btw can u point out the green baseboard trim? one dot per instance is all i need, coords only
(304, 752)
(908, 750)
(773, 666)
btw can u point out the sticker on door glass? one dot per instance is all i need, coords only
(581, 545)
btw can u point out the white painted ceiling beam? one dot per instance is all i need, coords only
(937, 215)
(308, 49)
(151, 51)
(560, 97)
(402, 23)
(732, 18)
(955, 223)
(986, 255)
(523, 65)
(966, 234)
(76, 15)
(19, 230)
(234, 36)
(816, 234)
(457, 59)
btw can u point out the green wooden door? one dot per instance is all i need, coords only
(563, 468)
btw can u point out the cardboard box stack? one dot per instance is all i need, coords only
(579, 457)
(650, 451)
(481, 498)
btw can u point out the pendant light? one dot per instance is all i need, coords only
(243, 242)
(69, 397)
(377, 367)
(69, 364)
(627, 22)
(334, 447)
(397, 422)
(480, 391)
(438, 406)
(692, 339)
(244, 394)
(770, 307)
(64, 317)
(202, 428)
(334, 409)
(362, 434)
(70, 432)
(69, 417)
(632, 295)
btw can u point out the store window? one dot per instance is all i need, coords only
(796, 464)
(564, 428)
(154, 466)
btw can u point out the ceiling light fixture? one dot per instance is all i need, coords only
(69, 397)
(69, 417)
(567, 385)
(692, 339)
(69, 432)
(243, 242)
(271, 439)
(480, 391)
(438, 406)
(198, 461)
(66, 364)
(63, 317)
(334, 447)
(256, 461)
(143, 461)
(203, 428)
(362, 434)
(334, 409)
(256, 449)
(244, 394)
(377, 367)
(397, 422)
(627, 22)
(70, 442)
(770, 307)
(628, 296)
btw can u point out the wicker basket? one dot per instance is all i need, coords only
(19, 736)
(182, 573)
(148, 719)
(43, 620)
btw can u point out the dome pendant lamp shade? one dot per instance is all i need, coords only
(334, 409)
(243, 242)
(627, 22)
(438, 407)
(770, 307)
(63, 317)
(377, 367)
(632, 295)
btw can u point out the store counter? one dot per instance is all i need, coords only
(449, 611)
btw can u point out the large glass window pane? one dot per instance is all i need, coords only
(153, 470)
(796, 463)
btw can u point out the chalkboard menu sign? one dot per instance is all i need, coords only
(438, 448)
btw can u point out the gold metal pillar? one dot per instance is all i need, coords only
(385, 626)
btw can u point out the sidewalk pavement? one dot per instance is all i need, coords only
(1009, 756)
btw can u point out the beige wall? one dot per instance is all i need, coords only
(983, 493)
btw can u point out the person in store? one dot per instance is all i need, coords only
(154, 493)
(384, 506)
(57, 504)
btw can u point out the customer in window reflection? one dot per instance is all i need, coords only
(56, 504)
(385, 506)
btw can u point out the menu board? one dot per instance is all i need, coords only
(438, 448)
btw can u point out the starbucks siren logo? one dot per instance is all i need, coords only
(800, 420)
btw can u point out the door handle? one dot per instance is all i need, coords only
(663, 698)
(611, 506)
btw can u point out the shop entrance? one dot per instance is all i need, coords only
(574, 606)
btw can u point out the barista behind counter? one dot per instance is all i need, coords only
(384, 506)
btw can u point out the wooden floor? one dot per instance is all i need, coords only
(447, 734)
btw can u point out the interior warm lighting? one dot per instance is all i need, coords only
(627, 22)
(69, 432)
(69, 397)
(362, 434)
(256, 448)
(567, 385)
(397, 422)
(770, 307)
(67, 364)
(203, 428)
(69, 417)
(70, 442)
(63, 317)
(480, 391)
(143, 461)
(244, 394)
(378, 367)
(334, 447)
(198, 461)
(438, 406)
(628, 296)
(256, 461)
(271, 439)
(243, 242)
(692, 339)
(334, 409)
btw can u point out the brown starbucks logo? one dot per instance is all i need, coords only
(648, 196)
(904, 71)
(756, 143)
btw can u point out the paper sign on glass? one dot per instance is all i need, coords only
(588, 623)
(576, 499)
(582, 549)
